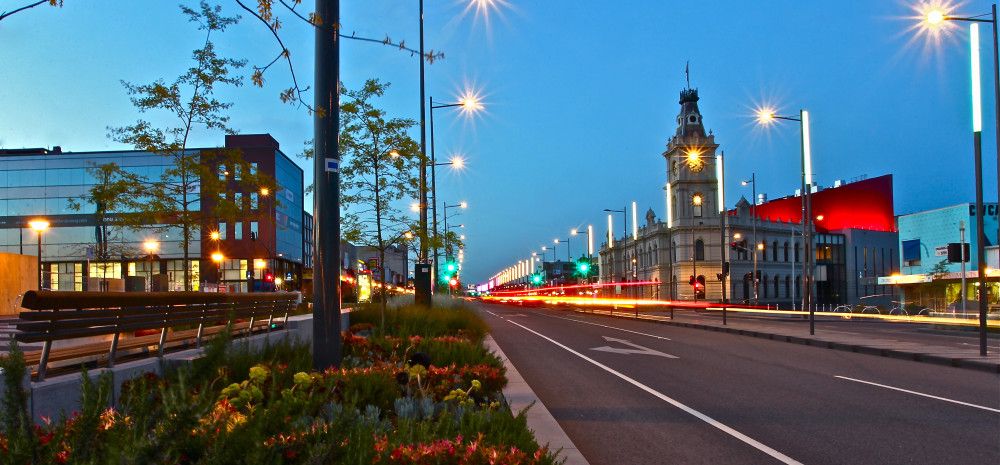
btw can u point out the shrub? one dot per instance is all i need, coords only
(412, 320)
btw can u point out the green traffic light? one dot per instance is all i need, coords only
(451, 266)
(536, 279)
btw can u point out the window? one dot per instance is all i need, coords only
(696, 202)
(699, 249)
(774, 251)
(222, 231)
(776, 280)
(253, 168)
(786, 252)
(223, 172)
(762, 250)
(238, 201)
(254, 200)
(254, 230)
(238, 230)
(763, 286)
(796, 252)
(788, 287)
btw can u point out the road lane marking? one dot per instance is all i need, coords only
(920, 394)
(606, 326)
(636, 348)
(701, 416)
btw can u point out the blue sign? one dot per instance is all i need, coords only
(332, 165)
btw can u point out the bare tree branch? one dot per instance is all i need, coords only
(29, 6)
(295, 92)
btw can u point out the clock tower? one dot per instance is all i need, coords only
(691, 171)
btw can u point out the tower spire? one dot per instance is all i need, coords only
(687, 73)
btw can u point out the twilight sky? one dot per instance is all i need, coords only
(580, 96)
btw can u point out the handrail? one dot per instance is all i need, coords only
(64, 315)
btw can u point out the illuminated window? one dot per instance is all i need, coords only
(696, 201)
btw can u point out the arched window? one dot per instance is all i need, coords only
(797, 255)
(786, 252)
(788, 285)
(776, 280)
(699, 249)
(774, 251)
(763, 286)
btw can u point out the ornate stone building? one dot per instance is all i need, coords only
(854, 244)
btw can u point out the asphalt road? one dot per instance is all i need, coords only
(739, 400)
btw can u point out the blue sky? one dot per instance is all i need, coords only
(580, 96)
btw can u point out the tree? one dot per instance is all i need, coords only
(111, 198)
(175, 199)
(380, 163)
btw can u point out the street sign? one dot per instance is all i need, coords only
(332, 165)
(941, 251)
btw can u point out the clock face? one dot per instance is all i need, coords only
(694, 161)
(695, 164)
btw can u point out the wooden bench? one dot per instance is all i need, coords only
(181, 318)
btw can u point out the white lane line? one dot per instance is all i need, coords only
(701, 416)
(920, 394)
(609, 327)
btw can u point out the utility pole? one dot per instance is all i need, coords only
(326, 199)
(961, 247)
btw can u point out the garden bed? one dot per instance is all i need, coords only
(419, 390)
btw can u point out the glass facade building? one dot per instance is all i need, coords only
(39, 183)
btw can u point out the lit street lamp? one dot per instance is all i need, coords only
(766, 117)
(936, 18)
(39, 225)
(462, 205)
(469, 104)
(151, 247)
(217, 257)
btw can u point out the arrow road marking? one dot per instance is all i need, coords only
(636, 348)
(606, 326)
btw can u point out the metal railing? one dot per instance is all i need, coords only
(66, 315)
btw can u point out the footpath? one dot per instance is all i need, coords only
(919, 342)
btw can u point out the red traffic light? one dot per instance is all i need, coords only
(269, 277)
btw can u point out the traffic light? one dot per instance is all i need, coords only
(450, 266)
(725, 270)
(699, 287)
(691, 280)
(537, 279)
(268, 276)
(583, 267)
(738, 245)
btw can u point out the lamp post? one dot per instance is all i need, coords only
(935, 18)
(566, 241)
(624, 213)
(151, 247)
(766, 116)
(721, 200)
(217, 257)
(463, 205)
(468, 105)
(752, 182)
(39, 225)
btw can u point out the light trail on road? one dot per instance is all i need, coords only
(637, 304)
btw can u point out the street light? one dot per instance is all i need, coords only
(39, 225)
(469, 103)
(151, 246)
(936, 18)
(463, 205)
(767, 116)
(566, 241)
(264, 192)
(217, 257)
(753, 219)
